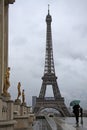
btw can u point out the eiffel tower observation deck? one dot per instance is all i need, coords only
(50, 78)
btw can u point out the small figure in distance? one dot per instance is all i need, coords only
(81, 115)
(76, 113)
(23, 96)
(19, 91)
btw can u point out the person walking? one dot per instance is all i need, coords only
(81, 115)
(76, 113)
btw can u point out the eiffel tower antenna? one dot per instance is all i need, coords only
(48, 9)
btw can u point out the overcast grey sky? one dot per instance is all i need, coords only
(27, 42)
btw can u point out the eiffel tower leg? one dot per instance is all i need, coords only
(56, 91)
(42, 91)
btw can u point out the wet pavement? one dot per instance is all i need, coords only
(55, 123)
(69, 124)
(41, 124)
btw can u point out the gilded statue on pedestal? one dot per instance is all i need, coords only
(19, 91)
(6, 82)
(23, 96)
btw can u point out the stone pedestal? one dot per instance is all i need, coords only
(24, 104)
(23, 110)
(17, 102)
(28, 109)
(10, 110)
(16, 110)
(17, 105)
(6, 98)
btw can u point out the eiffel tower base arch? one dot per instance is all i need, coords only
(58, 104)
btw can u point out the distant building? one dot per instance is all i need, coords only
(85, 113)
(33, 101)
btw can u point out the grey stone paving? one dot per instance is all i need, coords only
(69, 124)
(55, 123)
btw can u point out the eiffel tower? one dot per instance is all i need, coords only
(49, 78)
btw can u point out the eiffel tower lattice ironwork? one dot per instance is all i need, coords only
(50, 78)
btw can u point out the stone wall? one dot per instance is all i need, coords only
(6, 115)
(23, 117)
(15, 116)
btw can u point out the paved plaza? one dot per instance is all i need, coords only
(69, 124)
(56, 123)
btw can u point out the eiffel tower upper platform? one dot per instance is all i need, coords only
(50, 78)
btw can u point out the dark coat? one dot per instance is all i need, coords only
(76, 110)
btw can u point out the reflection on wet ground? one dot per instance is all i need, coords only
(60, 124)
(41, 124)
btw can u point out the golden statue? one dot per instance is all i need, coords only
(6, 82)
(23, 96)
(19, 91)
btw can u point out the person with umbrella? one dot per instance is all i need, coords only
(76, 108)
(76, 112)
